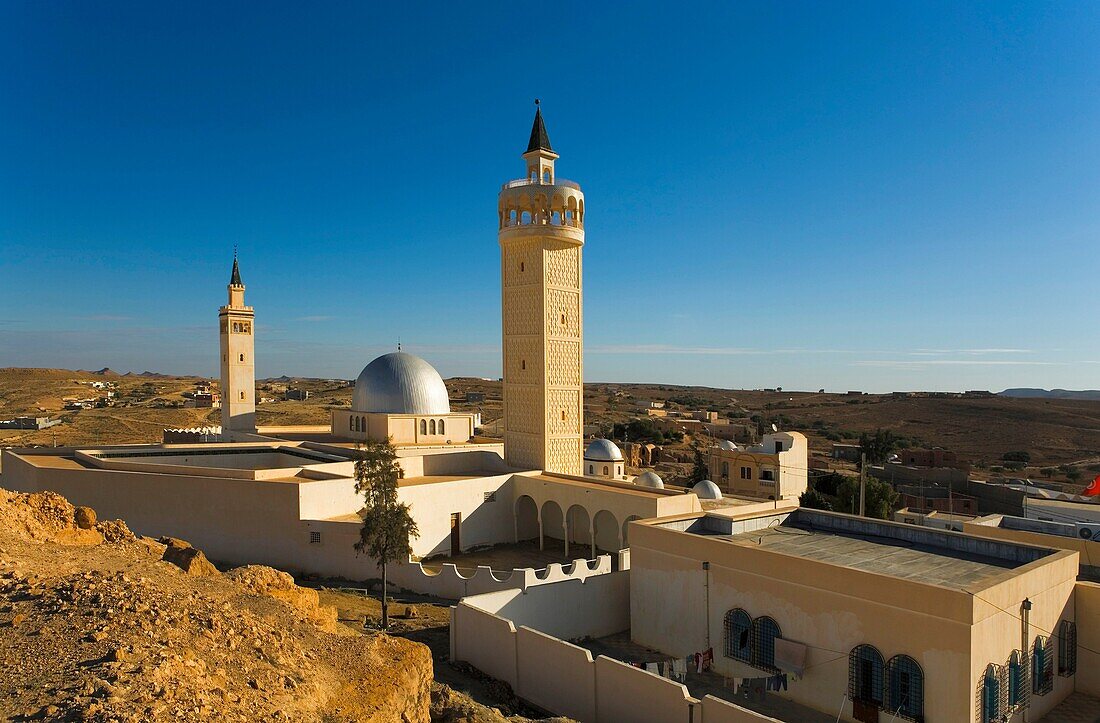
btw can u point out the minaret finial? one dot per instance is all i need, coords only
(540, 140)
(398, 343)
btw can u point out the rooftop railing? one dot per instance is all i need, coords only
(537, 182)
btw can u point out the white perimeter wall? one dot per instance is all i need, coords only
(564, 679)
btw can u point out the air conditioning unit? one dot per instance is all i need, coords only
(1088, 530)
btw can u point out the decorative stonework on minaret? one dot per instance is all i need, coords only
(238, 343)
(541, 232)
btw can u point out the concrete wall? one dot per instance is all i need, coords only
(1087, 597)
(482, 523)
(594, 607)
(626, 693)
(546, 666)
(565, 680)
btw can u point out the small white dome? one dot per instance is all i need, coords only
(650, 479)
(727, 445)
(400, 383)
(603, 450)
(707, 490)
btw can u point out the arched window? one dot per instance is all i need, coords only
(605, 470)
(1067, 648)
(525, 218)
(521, 267)
(764, 632)
(355, 423)
(991, 693)
(522, 363)
(1042, 667)
(546, 176)
(738, 627)
(351, 424)
(905, 688)
(591, 469)
(866, 675)
(423, 426)
(1018, 692)
(431, 427)
(441, 426)
(242, 357)
(242, 396)
(725, 469)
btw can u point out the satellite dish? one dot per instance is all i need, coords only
(774, 428)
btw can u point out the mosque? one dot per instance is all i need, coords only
(285, 495)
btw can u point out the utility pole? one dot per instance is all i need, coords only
(862, 482)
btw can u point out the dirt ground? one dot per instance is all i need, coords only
(430, 625)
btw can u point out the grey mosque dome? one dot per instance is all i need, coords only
(727, 445)
(400, 383)
(650, 479)
(603, 450)
(707, 490)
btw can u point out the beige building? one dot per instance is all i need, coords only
(238, 345)
(541, 233)
(775, 469)
(864, 619)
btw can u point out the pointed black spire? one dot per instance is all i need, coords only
(235, 279)
(540, 141)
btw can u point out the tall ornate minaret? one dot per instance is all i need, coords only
(541, 222)
(238, 367)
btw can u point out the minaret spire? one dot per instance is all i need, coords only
(540, 140)
(235, 279)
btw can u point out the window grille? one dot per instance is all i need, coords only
(905, 688)
(1067, 648)
(491, 496)
(314, 538)
(764, 632)
(1019, 689)
(991, 689)
(866, 675)
(738, 629)
(1042, 667)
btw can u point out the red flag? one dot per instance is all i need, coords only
(1094, 488)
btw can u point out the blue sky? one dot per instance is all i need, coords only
(870, 196)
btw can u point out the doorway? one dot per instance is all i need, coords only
(456, 526)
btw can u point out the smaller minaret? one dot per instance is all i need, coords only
(238, 366)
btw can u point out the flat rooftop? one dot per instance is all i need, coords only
(921, 554)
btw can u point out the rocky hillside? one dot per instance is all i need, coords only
(99, 625)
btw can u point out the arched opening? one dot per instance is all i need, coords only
(555, 218)
(607, 532)
(525, 218)
(991, 693)
(423, 426)
(242, 357)
(351, 424)
(605, 471)
(591, 469)
(626, 529)
(1017, 691)
(764, 632)
(738, 635)
(546, 176)
(527, 519)
(553, 525)
(512, 216)
(355, 423)
(1042, 667)
(905, 688)
(580, 529)
(866, 675)
(441, 427)
(431, 427)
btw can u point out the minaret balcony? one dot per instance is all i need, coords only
(519, 182)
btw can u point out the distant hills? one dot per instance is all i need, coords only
(1031, 393)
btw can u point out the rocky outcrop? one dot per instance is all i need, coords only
(105, 631)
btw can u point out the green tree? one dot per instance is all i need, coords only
(879, 498)
(814, 500)
(1018, 455)
(877, 446)
(829, 483)
(699, 468)
(388, 525)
